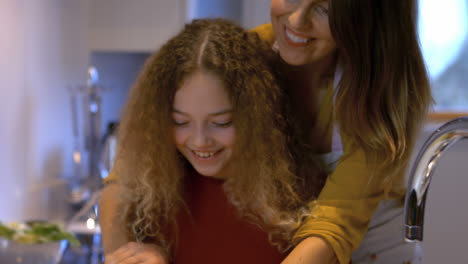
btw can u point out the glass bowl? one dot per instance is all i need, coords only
(43, 253)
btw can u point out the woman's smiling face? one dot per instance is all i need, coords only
(302, 30)
(203, 129)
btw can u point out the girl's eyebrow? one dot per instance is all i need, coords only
(222, 112)
(178, 112)
(227, 111)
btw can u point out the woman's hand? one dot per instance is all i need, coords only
(136, 253)
(312, 250)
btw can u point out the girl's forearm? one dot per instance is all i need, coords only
(113, 233)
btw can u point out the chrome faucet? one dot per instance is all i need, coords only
(423, 169)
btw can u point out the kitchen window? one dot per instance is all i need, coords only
(443, 29)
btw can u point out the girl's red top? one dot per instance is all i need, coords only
(210, 231)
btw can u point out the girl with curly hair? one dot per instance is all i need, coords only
(204, 173)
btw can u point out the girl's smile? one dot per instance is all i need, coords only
(206, 155)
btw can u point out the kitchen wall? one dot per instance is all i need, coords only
(215, 8)
(255, 12)
(44, 43)
(134, 26)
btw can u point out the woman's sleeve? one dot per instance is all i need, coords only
(112, 177)
(342, 212)
(265, 32)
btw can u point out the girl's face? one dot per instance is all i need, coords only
(203, 128)
(302, 30)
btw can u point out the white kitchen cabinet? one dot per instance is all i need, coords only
(134, 25)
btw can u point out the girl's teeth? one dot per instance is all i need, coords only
(295, 38)
(204, 154)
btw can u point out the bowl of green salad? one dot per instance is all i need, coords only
(33, 242)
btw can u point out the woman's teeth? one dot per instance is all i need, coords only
(204, 155)
(295, 38)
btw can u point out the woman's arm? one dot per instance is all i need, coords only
(342, 212)
(312, 250)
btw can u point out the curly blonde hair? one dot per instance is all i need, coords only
(264, 187)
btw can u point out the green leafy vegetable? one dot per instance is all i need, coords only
(6, 232)
(36, 232)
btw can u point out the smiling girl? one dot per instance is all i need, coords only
(203, 172)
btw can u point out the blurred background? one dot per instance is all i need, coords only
(56, 112)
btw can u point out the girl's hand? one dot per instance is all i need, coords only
(136, 253)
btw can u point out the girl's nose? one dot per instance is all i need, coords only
(201, 138)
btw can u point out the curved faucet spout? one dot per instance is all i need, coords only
(423, 169)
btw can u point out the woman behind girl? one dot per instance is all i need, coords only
(203, 172)
(360, 92)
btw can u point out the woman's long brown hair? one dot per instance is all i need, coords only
(384, 92)
(263, 186)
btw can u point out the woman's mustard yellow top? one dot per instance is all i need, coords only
(352, 192)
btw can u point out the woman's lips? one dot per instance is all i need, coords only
(295, 39)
